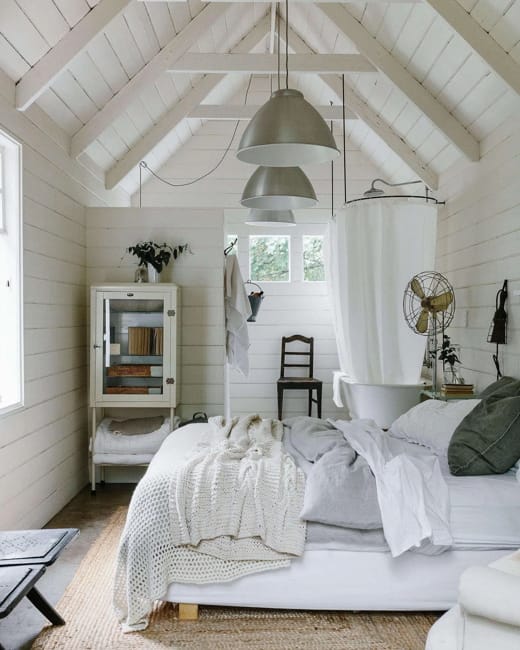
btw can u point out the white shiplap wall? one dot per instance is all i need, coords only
(294, 307)
(479, 247)
(43, 447)
(199, 276)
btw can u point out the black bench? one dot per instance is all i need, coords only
(24, 557)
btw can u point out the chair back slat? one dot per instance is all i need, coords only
(285, 353)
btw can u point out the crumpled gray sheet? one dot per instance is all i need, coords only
(340, 488)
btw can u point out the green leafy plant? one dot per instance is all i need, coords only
(157, 255)
(448, 355)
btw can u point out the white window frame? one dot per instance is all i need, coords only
(11, 275)
(289, 253)
(315, 236)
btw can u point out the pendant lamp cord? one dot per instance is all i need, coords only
(344, 141)
(144, 165)
(278, 41)
(287, 44)
(332, 173)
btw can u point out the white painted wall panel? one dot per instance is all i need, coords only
(43, 446)
(199, 276)
(479, 247)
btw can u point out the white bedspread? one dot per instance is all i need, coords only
(228, 510)
(411, 491)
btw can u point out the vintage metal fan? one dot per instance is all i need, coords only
(429, 307)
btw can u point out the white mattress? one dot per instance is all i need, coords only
(344, 580)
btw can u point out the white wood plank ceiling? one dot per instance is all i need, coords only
(428, 80)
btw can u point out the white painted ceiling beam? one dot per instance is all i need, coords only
(481, 42)
(308, 1)
(36, 80)
(180, 111)
(267, 63)
(246, 112)
(180, 44)
(374, 121)
(406, 82)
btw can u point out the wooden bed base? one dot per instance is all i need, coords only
(188, 612)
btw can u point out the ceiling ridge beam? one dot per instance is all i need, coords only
(147, 75)
(246, 112)
(210, 63)
(367, 45)
(36, 80)
(479, 40)
(180, 111)
(374, 121)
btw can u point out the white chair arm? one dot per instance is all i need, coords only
(491, 594)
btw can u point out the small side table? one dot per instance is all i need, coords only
(24, 557)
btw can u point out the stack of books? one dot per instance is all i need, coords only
(462, 390)
(134, 370)
(145, 341)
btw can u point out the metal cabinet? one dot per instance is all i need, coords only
(133, 349)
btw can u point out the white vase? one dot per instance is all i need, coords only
(153, 274)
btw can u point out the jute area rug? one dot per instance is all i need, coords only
(91, 624)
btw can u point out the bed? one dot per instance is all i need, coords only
(357, 571)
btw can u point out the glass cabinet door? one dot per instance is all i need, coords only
(135, 343)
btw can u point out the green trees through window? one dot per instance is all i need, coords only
(269, 258)
(313, 268)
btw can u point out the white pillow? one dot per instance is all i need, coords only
(432, 423)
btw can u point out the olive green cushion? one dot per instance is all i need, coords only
(487, 441)
(503, 387)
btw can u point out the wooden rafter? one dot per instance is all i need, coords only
(36, 80)
(267, 63)
(406, 82)
(242, 112)
(180, 111)
(146, 76)
(479, 40)
(374, 121)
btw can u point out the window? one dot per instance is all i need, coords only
(269, 259)
(313, 268)
(11, 332)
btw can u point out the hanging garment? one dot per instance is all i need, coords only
(237, 310)
(376, 247)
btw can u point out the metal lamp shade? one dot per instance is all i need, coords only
(276, 218)
(287, 131)
(278, 188)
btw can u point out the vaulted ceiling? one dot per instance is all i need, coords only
(126, 80)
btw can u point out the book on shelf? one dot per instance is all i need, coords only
(145, 340)
(134, 370)
(133, 390)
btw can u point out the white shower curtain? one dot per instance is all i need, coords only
(375, 248)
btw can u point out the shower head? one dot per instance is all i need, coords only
(374, 191)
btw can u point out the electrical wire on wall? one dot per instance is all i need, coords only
(144, 165)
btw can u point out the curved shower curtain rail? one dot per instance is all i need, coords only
(426, 197)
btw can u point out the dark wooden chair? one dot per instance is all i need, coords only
(306, 381)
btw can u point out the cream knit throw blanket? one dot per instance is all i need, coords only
(230, 510)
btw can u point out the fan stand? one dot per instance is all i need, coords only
(434, 362)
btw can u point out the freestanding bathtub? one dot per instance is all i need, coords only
(380, 402)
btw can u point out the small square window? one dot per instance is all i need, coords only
(269, 258)
(313, 267)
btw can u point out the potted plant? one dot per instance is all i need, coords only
(449, 356)
(153, 258)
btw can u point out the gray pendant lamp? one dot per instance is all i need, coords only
(276, 218)
(287, 131)
(278, 188)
